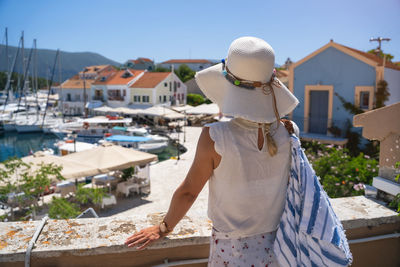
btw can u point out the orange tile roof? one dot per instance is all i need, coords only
(76, 84)
(186, 61)
(373, 57)
(150, 79)
(117, 77)
(94, 69)
(140, 60)
(282, 73)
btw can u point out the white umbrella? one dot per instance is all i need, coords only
(206, 109)
(161, 112)
(108, 157)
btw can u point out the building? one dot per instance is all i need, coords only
(72, 91)
(334, 71)
(193, 88)
(111, 88)
(194, 64)
(141, 63)
(158, 88)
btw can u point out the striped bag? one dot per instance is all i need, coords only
(310, 233)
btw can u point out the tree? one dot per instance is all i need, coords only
(60, 208)
(159, 68)
(382, 94)
(389, 57)
(194, 99)
(26, 183)
(185, 73)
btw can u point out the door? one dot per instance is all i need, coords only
(318, 116)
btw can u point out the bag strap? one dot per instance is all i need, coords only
(288, 125)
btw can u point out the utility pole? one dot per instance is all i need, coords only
(379, 40)
(84, 92)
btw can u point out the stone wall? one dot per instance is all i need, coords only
(94, 242)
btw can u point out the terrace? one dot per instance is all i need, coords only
(371, 227)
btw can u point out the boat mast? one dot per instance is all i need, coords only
(7, 59)
(35, 78)
(51, 83)
(60, 95)
(24, 81)
(21, 88)
(7, 88)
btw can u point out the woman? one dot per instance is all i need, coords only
(245, 160)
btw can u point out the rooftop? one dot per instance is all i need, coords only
(150, 79)
(118, 77)
(186, 61)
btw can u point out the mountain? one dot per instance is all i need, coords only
(71, 62)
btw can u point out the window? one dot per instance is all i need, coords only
(165, 84)
(77, 97)
(170, 86)
(364, 97)
(124, 92)
(136, 98)
(364, 100)
(159, 98)
(165, 98)
(145, 98)
(179, 85)
(175, 86)
(201, 67)
(68, 97)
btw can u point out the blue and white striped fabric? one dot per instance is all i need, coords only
(310, 233)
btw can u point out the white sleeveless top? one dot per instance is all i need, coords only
(247, 190)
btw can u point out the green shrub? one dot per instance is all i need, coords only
(89, 195)
(341, 175)
(194, 99)
(60, 208)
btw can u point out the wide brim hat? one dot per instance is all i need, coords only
(249, 59)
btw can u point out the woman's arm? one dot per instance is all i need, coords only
(205, 161)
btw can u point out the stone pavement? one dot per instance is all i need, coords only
(165, 177)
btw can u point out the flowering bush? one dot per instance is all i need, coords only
(341, 175)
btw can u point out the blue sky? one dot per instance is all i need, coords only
(161, 30)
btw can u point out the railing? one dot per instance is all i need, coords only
(99, 98)
(116, 98)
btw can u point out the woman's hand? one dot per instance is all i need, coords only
(144, 237)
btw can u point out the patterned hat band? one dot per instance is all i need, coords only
(267, 89)
(251, 85)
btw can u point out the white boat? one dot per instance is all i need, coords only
(142, 143)
(90, 130)
(68, 146)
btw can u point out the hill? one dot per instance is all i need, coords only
(71, 62)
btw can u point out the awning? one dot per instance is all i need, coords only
(119, 128)
(182, 108)
(206, 109)
(125, 138)
(161, 111)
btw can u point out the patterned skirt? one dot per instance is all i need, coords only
(251, 251)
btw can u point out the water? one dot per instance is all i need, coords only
(21, 145)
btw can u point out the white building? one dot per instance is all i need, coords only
(194, 64)
(155, 88)
(71, 92)
(112, 88)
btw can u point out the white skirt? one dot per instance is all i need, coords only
(252, 251)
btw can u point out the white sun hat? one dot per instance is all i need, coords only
(244, 85)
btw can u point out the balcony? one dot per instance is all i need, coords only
(116, 98)
(98, 98)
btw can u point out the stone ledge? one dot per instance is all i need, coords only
(86, 237)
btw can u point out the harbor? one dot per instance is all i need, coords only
(106, 158)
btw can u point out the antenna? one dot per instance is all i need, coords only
(379, 40)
